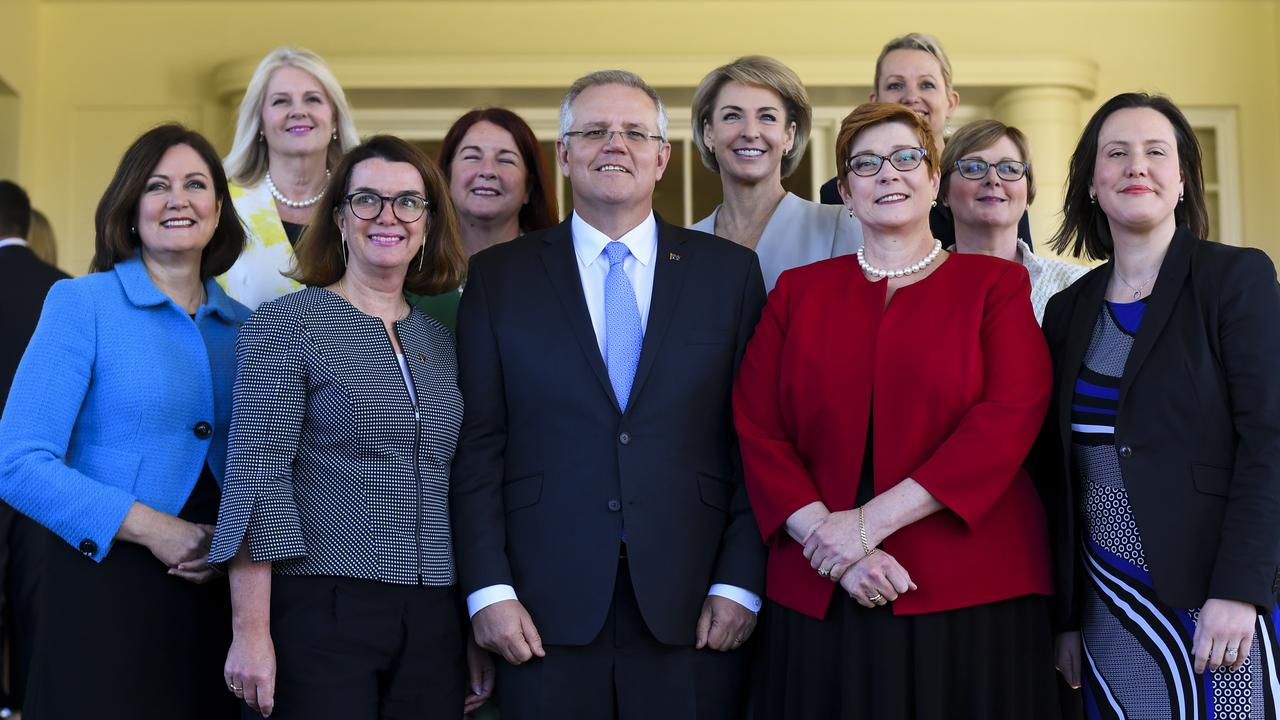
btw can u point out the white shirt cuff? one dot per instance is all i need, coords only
(486, 596)
(745, 598)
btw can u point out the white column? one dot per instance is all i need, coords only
(1050, 118)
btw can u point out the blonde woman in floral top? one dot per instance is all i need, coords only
(987, 183)
(294, 125)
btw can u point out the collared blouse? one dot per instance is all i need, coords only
(332, 468)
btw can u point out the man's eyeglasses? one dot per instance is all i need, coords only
(600, 136)
(869, 164)
(976, 169)
(368, 205)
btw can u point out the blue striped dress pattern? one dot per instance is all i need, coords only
(1137, 651)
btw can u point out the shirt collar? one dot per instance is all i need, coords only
(13, 242)
(588, 242)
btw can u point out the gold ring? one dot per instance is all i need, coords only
(875, 598)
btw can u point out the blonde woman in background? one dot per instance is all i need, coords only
(987, 183)
(40, 238)
(751, 122)
(294, 125)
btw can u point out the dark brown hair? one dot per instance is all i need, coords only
(540, 212)
(1085, 229)
(115, 235)
(869, 115)
(15, 210)
(318, 257)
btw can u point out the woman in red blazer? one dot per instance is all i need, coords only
(928, 525)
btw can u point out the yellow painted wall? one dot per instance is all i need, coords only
(103, 70)
(19, 23)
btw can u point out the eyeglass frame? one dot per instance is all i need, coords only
(628, 136)
(1026, 168)
(849, 168)
(382, 204)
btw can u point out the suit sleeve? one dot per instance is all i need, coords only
(268, 408)
(1249, 336)
(742, 555)
(776, 479)
(975, 465)
(475, 496)
(44, 404)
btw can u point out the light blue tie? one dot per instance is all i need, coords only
(622, 333)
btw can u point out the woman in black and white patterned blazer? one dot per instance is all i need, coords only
(345, 414)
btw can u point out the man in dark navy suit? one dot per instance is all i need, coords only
(24, 281)
(602, 531)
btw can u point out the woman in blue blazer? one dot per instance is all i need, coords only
(114, 438)
(1160, 456)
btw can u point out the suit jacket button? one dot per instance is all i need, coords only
(203, 430)
(88, 547)
(1126, 451)
(614, 505)
(624, 438)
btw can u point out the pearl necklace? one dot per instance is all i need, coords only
(876, 272)
(275, 193)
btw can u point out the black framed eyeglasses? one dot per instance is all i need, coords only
(976, 169)
(869, 164)
(407, 207)
(600, 136)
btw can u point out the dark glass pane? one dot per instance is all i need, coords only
(800, 181)
(668, 196)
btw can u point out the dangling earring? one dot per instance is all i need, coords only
(261, 137)
(851, 215)
(422, 253)
(335, 133)
(133, 230)
(1093, 200)
(1179, 197)
(344, 250)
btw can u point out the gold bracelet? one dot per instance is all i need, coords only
(867, 550)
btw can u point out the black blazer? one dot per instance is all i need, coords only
(1198, 430)
(549, 473)
(24, 281)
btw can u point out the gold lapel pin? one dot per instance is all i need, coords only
(673, 256)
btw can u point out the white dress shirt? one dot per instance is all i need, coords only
(13, 241)
(593, 267)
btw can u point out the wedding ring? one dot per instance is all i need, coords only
(1232, 652)
(233, 688)
(823, 572)
(875, 598)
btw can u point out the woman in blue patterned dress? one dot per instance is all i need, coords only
(1160, 458)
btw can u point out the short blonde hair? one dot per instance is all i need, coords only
(246, 164)
(40, 238)
(916, 41)
(869, 115)
(980, 135)
(758, 71)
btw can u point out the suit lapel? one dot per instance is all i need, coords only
(1084, 315)
(668, 280)
(562, 270)
(1169, 282)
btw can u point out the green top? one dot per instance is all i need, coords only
(442, 307)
